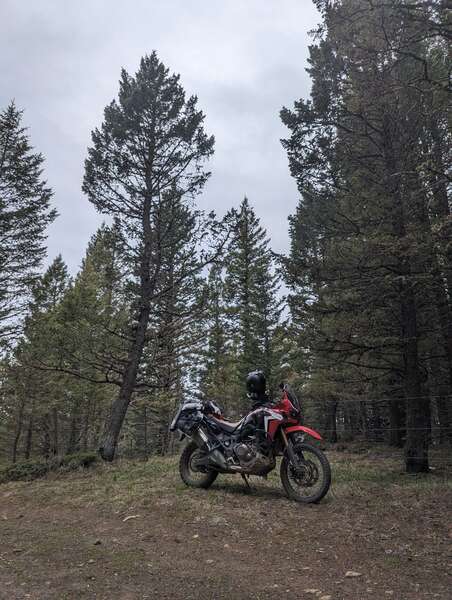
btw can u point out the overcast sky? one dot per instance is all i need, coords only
(245, 59)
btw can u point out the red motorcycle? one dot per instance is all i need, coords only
(219, 446)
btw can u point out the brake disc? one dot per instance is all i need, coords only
(305, 474)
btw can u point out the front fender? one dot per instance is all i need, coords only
(303, 429)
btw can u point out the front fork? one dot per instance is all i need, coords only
(287, 442)
(201, 439)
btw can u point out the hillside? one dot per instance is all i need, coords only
(134, 531)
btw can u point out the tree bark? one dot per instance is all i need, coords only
(417, 406)
(120, 405)
(445, 419)
(350, 422)
(397, 430)
(331, 429)
(29, 438)
(145, 432)
(87, 413)
(442, 401)
(19, 426)
(441, 205)
(74, 431)
(444, 308)
(55, 441)
(46, 437)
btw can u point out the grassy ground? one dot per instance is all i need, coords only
(134, 531)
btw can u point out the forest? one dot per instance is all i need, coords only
(172, 302)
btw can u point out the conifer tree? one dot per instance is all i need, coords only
(364, 271)
(40, 391)
(251, 293)
(93, 314)
(217, 375)
(25, 214)
(151, 148)
(174, 335)
(88, 339)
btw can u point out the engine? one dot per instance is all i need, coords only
(252, 461)
(246, 454)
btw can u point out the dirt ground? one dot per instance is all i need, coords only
(134, 531)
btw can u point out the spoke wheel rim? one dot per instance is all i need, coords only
(196, 474)
(306, 479)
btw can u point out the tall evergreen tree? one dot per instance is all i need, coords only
(173, 335)
(151, 148)
(25, 214)
(65, 367)
(217, 373)
(252, 295)
(89, 339)
(364, 270)
(39, 392)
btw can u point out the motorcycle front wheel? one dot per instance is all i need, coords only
(310, 479)
(192, 476)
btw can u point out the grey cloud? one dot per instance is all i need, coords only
(244, 59)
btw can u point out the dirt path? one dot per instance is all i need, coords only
(67, 538)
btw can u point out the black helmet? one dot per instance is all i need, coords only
(256, 384)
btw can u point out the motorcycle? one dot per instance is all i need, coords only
(220, 446)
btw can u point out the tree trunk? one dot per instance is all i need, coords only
(74, 431)
(145, 432)
(19, 426)
(375, 422)
(417, 406)
(444, 419)
(439, 184)
(350, 422)
(46, 438)
(443, 306)
(331, 429)
(441, 390)
(120, 405)
(397, 429)
(29, 438)
(55, 441)
(85, 426)
(445, 317)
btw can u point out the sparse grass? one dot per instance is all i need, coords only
(29, 470)
(375, 520)
(127, 485)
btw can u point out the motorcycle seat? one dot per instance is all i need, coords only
(228, 426)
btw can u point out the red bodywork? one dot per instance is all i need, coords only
(289, 421)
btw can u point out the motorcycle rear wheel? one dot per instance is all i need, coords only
(309, 481)
(190, 476)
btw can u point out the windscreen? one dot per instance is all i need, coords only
(292, 397)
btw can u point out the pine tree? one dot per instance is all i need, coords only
(40, 392)
(364, 272)
(65, 366)
(217, 376)
(173, 335)
(252, 296)
(151, 148)
(94, 314)
(24, 216)
(88, 339)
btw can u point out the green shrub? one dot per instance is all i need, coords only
(29, 470)
(72, 462)
(24, 471)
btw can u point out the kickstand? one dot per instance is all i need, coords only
(245, 479)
